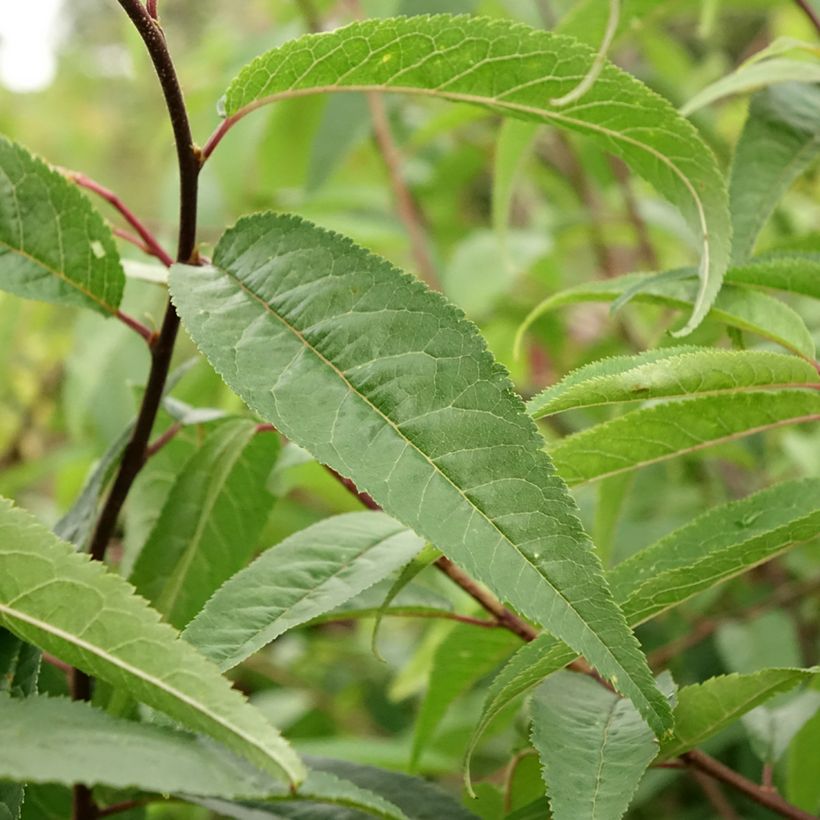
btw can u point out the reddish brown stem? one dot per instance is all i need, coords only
(406, 205)
(161, 440)
(813, 16)
(148, 239)
(137, 326)
(760, 795)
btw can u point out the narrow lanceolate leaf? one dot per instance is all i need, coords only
(779, 141)
(668, 372)
(704, 709)
(675, 428)
(790, 272)
(53, 597)
(307, 575)
(737, 307)
(53, 245)
(594, 747)
(210, 523)
(411, 405)
(515, 71)
(724, 542)
(466, 655)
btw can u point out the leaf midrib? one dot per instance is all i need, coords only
(436, 468)
(60, 275)
(75, 640)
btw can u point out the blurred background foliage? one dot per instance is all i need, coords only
(69, 382)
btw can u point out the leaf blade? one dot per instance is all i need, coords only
(288, 310)
(653, 434)
(53, 245)
(151, 663)
(307, 575)
(514, 70)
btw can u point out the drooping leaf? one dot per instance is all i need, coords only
(516, 71)
(52, 597)
(466, 655)
(594, 747)
(735, 306)
(779, 141)
(53, 245)
(675, 371)
(704, 709)
(722, 543)
(663, 431)
(790, 272)
(308, 574)
(415, 410)
(210, 522)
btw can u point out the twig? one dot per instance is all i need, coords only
(694, 759)
(136, 325)
(717, 799)
(149, 240)
(127, 805)
(760, 795)
(83, 806)
(645, 249)
(160, 441)
(805, 5)
(406, 206)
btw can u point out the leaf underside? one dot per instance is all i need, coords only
(412, 407)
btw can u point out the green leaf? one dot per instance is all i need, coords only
(675, 371)
(594, 747)
(53, 245)
(427, 556)
(755, 74)
(515, 71)
(735, 306)
(36, 732)
(415, 410)
(802, 783)
(780, 140)
(308, 574)
(724, 542)
(52, 597)
(612, 496)
(663, 431)
(790, 272)
(466, 655)
(210, 522)
(704, 709)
